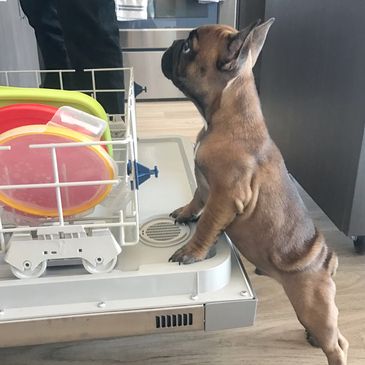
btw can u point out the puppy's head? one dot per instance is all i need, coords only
(211, 56)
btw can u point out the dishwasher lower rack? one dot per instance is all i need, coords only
(96, 237)
(144, 294)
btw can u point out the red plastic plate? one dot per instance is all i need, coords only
(18, 115)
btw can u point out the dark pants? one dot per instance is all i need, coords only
(79, 34)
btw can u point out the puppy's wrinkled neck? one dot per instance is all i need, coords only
(239, 108)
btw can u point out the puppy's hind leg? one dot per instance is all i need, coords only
(312, 295)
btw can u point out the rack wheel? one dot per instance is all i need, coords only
(99, 268)
(29, 273)
(359, 244)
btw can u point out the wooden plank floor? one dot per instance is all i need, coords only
(276, 339)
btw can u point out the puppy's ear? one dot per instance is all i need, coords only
(251, 39)
(257, 39)
(234, 56)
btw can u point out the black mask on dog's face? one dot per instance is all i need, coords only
(170, 58)
(175, 62)
(191, 68)
(202, 65)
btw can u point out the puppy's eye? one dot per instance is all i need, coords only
(186, 47)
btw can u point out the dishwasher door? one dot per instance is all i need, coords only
(145, 293)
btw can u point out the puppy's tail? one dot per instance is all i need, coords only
(313, 254)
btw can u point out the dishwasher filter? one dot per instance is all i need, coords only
(106, 274)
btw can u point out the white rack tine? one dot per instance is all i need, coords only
(108, 69)
(6, 78)
(61, 79)
(58, 188)
(37, 78)
(93, 82)
(121, 228)
(108, 225)
(59, 185)
(197, 284)
(80, 144)
(2, 238)
(102, 91)
(37, 71)
(85, 225)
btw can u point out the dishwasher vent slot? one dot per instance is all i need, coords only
(174, 320)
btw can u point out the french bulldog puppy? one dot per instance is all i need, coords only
(243, 187)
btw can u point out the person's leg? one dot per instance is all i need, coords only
(92, 40)
(42, 16)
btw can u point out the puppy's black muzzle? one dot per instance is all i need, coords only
(170, 59)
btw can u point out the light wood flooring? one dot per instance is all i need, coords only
(275, 339)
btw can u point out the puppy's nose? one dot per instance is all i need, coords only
(168, 57)
(166, 63)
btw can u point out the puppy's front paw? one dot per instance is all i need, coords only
(177, 212)
(188, 254)
(182, 215)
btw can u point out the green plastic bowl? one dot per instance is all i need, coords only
(22, 95)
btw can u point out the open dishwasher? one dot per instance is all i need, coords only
(106, 273)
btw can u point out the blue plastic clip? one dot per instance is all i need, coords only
(142, 173)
